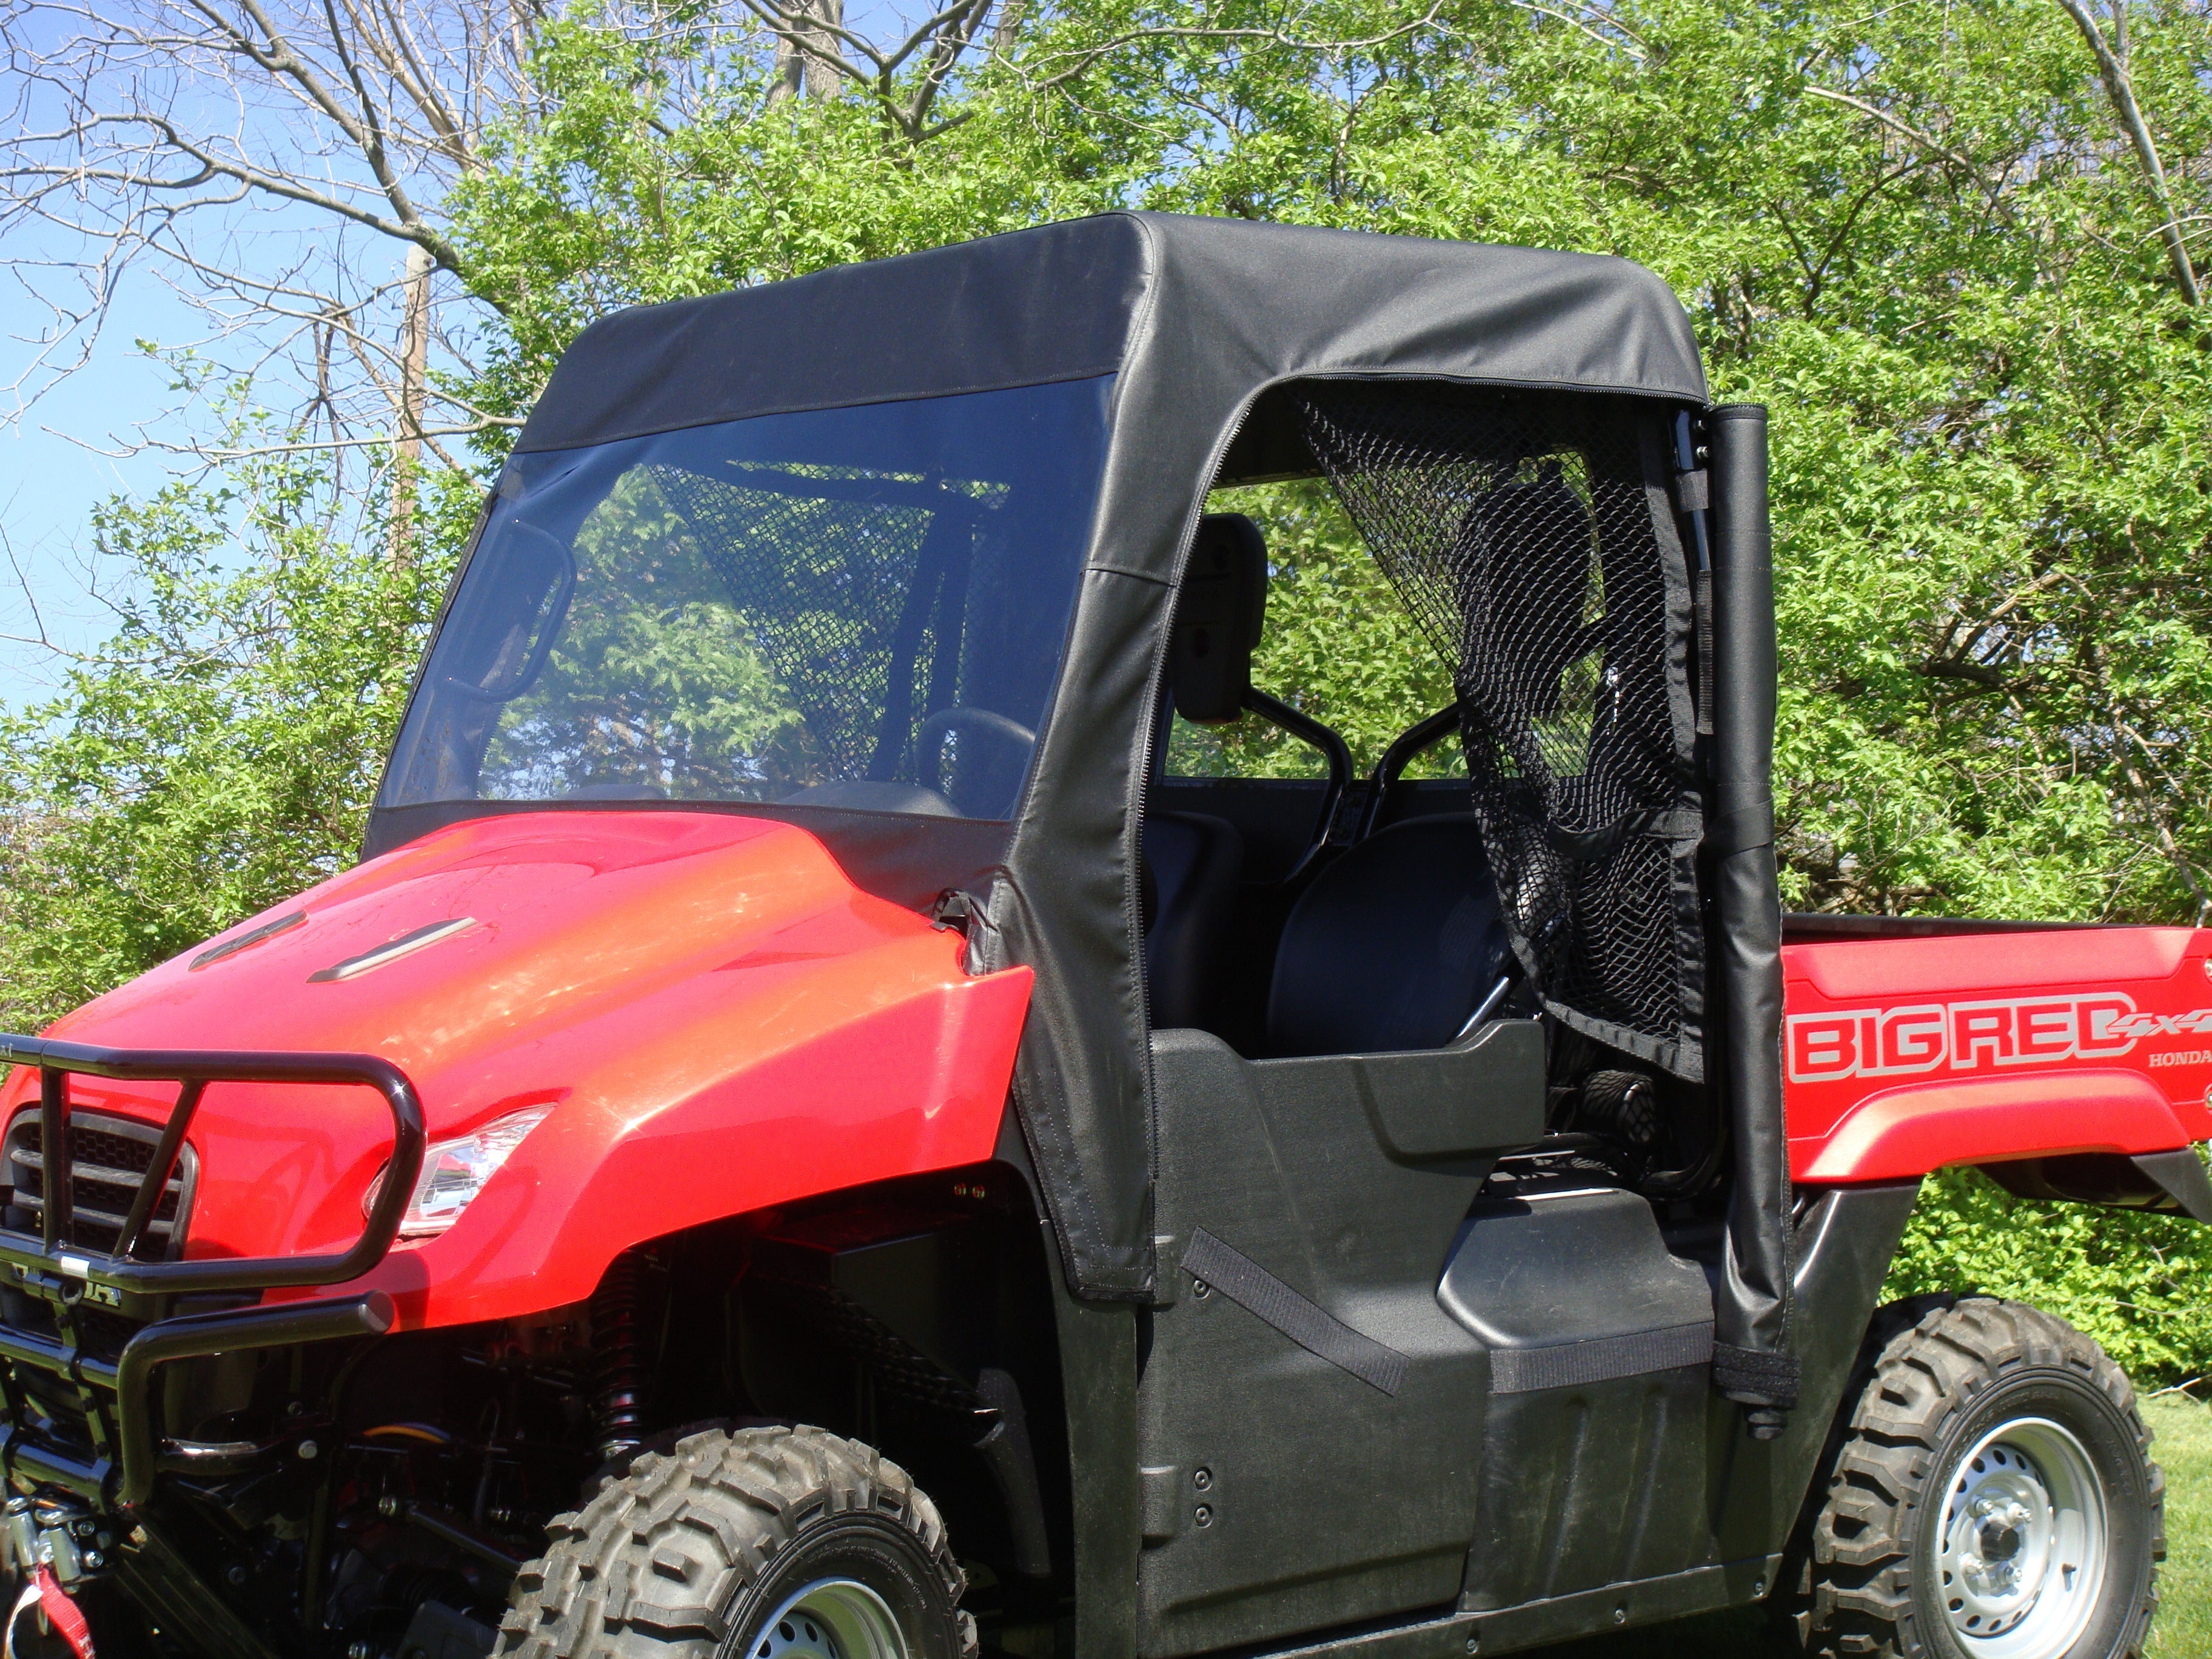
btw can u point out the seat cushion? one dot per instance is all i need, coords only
(1392, 947)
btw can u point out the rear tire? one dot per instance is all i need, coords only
(1992, 1498)
(767, 1543)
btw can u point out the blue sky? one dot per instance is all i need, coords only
(49, 480)
(52, 475)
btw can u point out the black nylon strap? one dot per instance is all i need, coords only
(1752, 1377)
(1741, 830)
(1677, 825)
(1265, 1296)
(1600, 1359)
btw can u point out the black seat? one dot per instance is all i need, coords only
(1393, 947)
(1194, 864)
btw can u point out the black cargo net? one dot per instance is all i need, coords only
(857, 598)
(1521, 532)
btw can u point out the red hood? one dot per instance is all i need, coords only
(644, 972)
(576, 917)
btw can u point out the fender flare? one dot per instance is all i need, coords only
(1920, 1128)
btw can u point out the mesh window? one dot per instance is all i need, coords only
(1532, 541)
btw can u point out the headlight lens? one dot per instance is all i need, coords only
(454, 1172)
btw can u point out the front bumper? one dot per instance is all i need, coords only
(110, 1464)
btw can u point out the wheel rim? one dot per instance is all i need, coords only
(830, 1619)
(2020, 1550)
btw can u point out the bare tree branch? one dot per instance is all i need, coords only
(2119, 87)
(1935, 146)
(194, 139)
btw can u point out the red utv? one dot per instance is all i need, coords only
(821, 1021)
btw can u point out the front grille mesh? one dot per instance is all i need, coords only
(109, 1158)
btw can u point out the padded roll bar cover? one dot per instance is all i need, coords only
(1220, 612)
(1751, 1361)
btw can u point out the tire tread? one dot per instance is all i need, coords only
(643, 1570)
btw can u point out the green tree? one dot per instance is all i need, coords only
(219, 751)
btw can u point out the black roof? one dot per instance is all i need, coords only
(1100, 295)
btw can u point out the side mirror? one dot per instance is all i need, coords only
(525, 600)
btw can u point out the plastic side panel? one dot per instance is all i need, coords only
(1991, 961)
(920, 1084)
(2050, 1028)
(1326, 1500)
(1903, 1132)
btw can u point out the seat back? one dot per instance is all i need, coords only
(1220, 608)
(1393, 946)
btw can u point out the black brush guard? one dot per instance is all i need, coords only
(116, 1394)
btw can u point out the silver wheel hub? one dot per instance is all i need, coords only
(829, 1618)
(2020, 1546)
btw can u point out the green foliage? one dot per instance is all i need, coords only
(220, 751)
(2141, 1284)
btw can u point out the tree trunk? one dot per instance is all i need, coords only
(801, 53)
(407, 435)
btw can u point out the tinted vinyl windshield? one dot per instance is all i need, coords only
(858, 607)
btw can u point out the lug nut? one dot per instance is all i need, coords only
(307, 1449)
(92, 1559)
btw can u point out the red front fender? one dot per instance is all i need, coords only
(918, 1085)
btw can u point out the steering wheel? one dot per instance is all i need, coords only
(929, 737)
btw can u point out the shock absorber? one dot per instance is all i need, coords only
(619, 1376)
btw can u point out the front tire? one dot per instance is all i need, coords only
(1993, 1497)
(768, 1543)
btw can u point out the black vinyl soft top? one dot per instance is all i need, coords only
(1205, 324)
(1120, 291)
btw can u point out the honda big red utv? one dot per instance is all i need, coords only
(839, 1117)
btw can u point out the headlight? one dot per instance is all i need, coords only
(454, 1171)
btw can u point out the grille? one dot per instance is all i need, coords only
(1533, 541)
(109, 1158)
